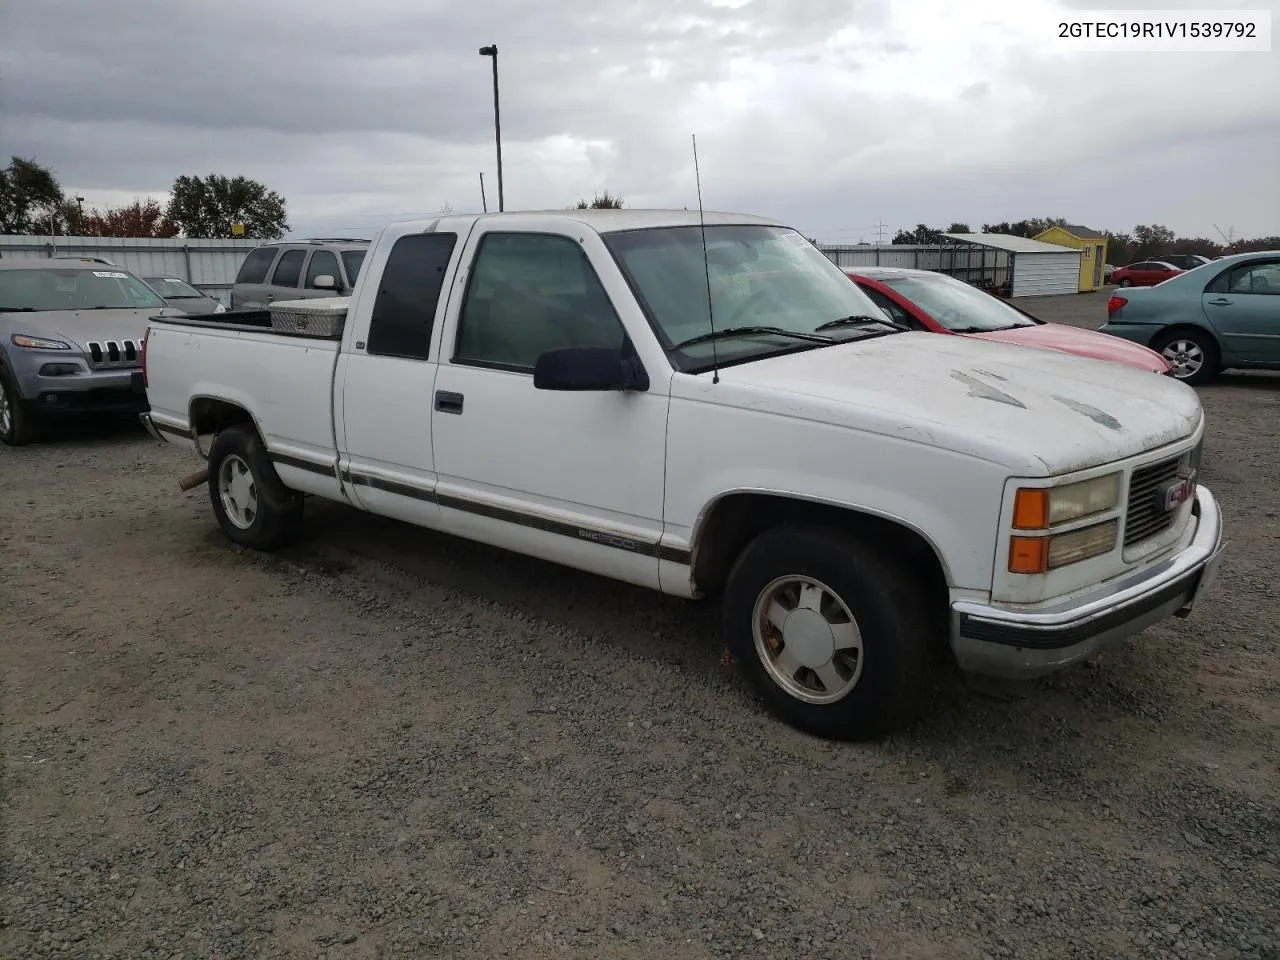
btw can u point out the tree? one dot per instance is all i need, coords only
(923, 233)
(207, 207)
(601, 201)
(29, 195)
(1024, 228)
(138, 219)
(958, 228)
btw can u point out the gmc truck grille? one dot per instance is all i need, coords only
(1146, 515)
(114, 353)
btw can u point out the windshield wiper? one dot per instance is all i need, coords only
(857, 320)
(747, 331)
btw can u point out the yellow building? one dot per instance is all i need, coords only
(1093, 251)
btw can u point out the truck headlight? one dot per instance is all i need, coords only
(1046, 509)
(38, 343)
(1038, 508)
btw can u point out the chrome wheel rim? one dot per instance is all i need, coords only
(1185, 356)
(238, 492)
(807, 639)
(6, 412)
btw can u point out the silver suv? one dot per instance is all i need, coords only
(292, 270)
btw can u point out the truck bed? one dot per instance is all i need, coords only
(249, 321)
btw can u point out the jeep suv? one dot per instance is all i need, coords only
(293, 270)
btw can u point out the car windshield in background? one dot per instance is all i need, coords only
(53, 289)
(171, 288)
(351, 259)
(761, 277)
(958, 306)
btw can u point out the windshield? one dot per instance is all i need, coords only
(957, 305)
(351, 259)
(105, 289)
(761, 276)
(171, 288)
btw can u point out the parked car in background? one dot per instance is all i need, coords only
(869, 503)
(1184, 261)
(293, 270)
(1107, 271)
(71, 337)
(924, 300)
(1146, 273)
(1205, 321)
(183, 296)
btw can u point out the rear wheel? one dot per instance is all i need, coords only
(835, 636)
(253, 507)
(1125, 282)
(17, 424)
(1193, 354)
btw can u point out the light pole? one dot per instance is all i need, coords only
(492, 51)
(80, 214)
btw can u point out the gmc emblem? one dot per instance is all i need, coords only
(1179, 492)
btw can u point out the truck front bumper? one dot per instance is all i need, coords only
(1005, 641)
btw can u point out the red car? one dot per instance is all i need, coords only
(937, 303)
(1145, 274)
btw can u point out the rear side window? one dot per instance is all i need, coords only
(408, 291)
(352, 259)
(322, 262)
(289, 269)
(256, 264)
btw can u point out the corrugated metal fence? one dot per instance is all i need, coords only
(210, 265)
(982, 266)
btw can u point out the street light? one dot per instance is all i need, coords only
(492, 51)
(80, 216)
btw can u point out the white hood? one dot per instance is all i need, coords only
(1038, 411)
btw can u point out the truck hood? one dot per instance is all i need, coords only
(1042, 413)
(78, 327)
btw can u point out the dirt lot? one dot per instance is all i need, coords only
(392, 743)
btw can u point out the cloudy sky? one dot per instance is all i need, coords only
(832, 115)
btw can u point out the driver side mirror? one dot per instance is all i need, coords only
(588, 368)
(326, 281)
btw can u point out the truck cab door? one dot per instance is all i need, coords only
(384, 380)
(572, 477)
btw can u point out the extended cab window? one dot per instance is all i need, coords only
(289, 269)
(256, 264)
(405, 310)
(322, 262)
(530, 293)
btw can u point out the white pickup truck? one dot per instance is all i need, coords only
(715, 410)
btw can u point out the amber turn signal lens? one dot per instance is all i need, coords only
(1028, 554)
(1031, 509)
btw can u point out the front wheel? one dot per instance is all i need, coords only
(17, 425)
(1193, 354)
(1126, 282)
(835, 636)
(253, 506)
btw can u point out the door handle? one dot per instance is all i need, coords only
(447, 402)
(1221, 302)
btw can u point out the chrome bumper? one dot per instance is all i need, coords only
(151, 427)
(1007, 642)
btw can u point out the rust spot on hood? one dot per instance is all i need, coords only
(985, 391)
(1093, 413)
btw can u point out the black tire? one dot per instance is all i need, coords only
(898, 647)
(1125, 283)
(276, 519)
(1197, 339)
(20, 427)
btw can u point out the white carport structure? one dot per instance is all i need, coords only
(1036, 269)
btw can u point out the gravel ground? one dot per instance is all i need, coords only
(391, 743)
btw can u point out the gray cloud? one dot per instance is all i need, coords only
(831, 116)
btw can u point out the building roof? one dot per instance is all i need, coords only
(1005, 241)
(1084, 233)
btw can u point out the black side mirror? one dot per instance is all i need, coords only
(589, 368)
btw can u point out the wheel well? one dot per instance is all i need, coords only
(210, 415)
(738, 518)
(1175, 328)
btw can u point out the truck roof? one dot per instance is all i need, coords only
(612, 221)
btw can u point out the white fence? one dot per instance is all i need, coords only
(210, 265)
(982, 266)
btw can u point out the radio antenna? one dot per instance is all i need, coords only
(706, 264)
